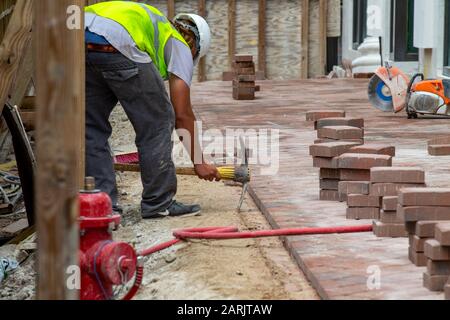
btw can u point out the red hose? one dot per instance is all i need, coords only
(227, 233)
(199, 234)
(137, 283)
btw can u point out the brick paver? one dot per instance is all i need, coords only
(337, 265)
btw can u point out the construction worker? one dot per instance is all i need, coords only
(131, 49)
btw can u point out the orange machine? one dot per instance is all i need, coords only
(390, 90)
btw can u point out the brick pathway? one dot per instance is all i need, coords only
(335, 264)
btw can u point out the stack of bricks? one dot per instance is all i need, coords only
(355, 168)
(386, 182)
(244, 86)
(421, 209)
(325, 152)
(437, 253)
(326, 158)
(357, 182)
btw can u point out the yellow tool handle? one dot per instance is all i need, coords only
(137, 168)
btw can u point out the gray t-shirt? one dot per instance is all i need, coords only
(177, 56)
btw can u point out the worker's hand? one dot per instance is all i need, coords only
(207, 172)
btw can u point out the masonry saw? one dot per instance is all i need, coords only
(391, 90)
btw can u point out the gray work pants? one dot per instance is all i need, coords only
(111, 77)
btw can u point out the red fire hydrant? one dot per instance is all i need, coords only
(103, 262)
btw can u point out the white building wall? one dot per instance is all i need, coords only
(429, 33)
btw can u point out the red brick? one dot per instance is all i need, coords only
(440, 140)
(426, 229)
(329, 195)
(372, 148)
(243, 58)
(397, 175)
(390, 217)
(330, 149)
(245, 78)
(357, 141)
(322, 114)
(441, 268)
(434, 283)
(442, 233)
(363, 213)
(243, 93)
(417, 258)
(423, 213)
(354, 187)
(383, 230)
(438, 197)
(363, 161)
(390, 189)
(390, 203)
(417, 244)
(330, 174)
(439, 150)
(240, 84)
(355, 175)
(245, 71)
(332, 122)
(329, 184)
(340, 133)
(328, 163)
(359, 200)
(248, 64)
(436, 252)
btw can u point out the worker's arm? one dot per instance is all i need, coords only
(180, 94)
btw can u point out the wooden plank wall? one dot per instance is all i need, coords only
(283, 26)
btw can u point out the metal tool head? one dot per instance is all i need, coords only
(243, 173)
(380, 95)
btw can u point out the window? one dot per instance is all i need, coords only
(359, 22)
(447, 40)
(403, 43)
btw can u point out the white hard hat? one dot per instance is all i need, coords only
(203, 32)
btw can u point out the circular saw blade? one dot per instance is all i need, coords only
(380, 95)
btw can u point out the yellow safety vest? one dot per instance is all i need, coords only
(148, 27)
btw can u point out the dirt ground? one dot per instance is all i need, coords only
(237, 269)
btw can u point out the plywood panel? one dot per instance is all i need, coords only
(217, 59)
(247, 28)
(284, 41)
(314, 39)
(334, 18)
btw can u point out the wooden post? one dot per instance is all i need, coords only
(170, 9)
(323, 14)
(231, 31)
(262, 37)
(60, 71)
(202, 62)
(304, 72)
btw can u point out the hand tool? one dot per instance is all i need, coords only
(240, 174)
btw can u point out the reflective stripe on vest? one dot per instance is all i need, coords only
(148, 27)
